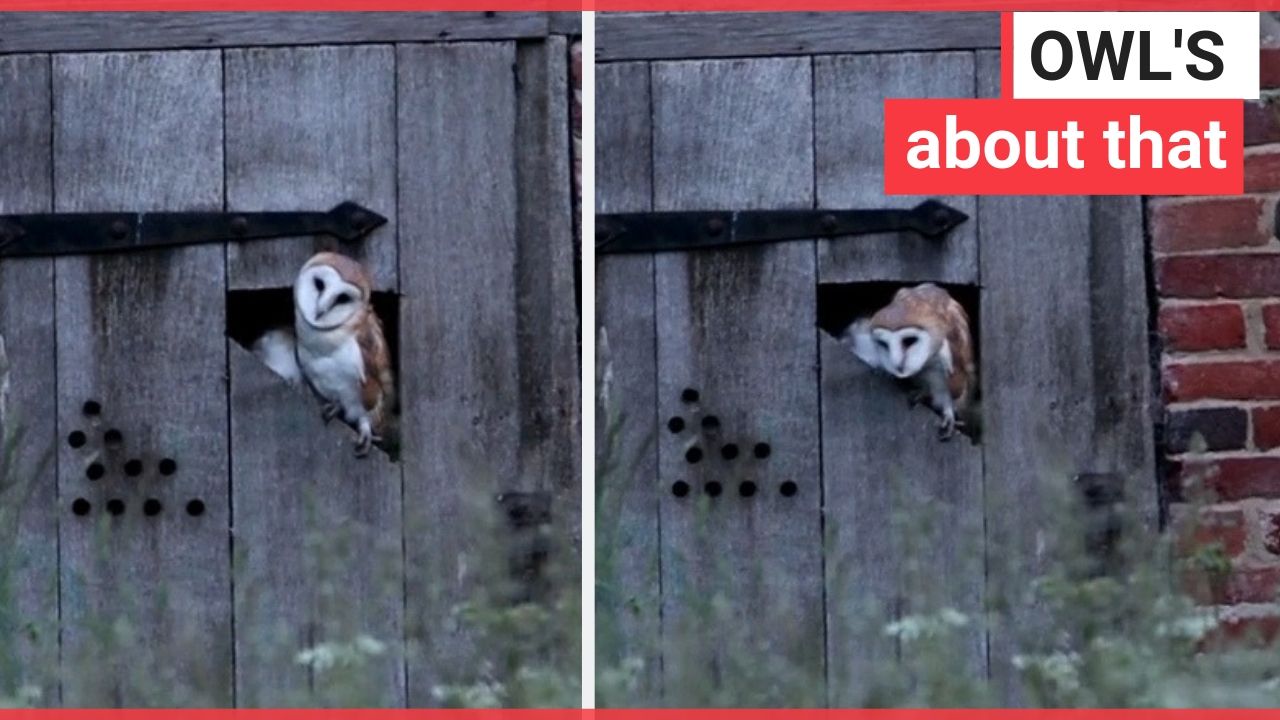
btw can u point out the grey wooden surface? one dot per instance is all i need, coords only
(741, 575)
(1063, 349)
(307, 127)
(1066, 377)
(310, 128)
(850, 93)
(26, 305)
(142, 335)
(459, 241)
(545, 269)
(627, 543)
(300, 544)
(903, 511)
(339, 576)
(658, 36)
(69, 32)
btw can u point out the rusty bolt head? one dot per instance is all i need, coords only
(239, 225)
(828, 223)
(119, 230)
(715, 226)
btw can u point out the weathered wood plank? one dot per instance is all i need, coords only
(341, 575)
(882, 462)
(100, 31)
(29, 493)
(461, 425)
(742, 575)
(305, 128)
(565, 23)
(308, 128)
(1068, 385)
(547, 317)
(657, 36)
(629, 597)
(851, 92)
(142, 335)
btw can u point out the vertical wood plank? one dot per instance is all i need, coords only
(547, 316)
(627, 540)
(29, 493)
(742, 575)
(142, 335)
(1068, 382)
(309, 127)
(851, 169)
(880, 565)
(459, 318)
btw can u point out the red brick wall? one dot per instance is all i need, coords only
(1217, 273)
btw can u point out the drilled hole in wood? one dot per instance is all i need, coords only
(92, 408)
(95, 471)
(152, 507)
(710, 422)
(729, 451)
(746, 488)
(679, 488)
(76, 439)
(675, 424)
(81, 507)
(693, 455)
(714, 488)
(689, 395)
(113, 438)
(115, 506)
(788, 489)
(195, 508)
(761, 450)
(133, 468)
(168, 466)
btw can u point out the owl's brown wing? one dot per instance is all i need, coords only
(377, 392)
(964, 375)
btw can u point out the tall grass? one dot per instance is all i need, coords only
(1118, 623)
(521, 632)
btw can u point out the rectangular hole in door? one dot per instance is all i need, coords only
(839, 304)
(251, 313)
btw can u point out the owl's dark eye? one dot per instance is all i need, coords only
(909, 340)
(342, 299)
(883, 343)
(319, 285)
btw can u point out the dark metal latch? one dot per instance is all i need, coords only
(88, 233)
(704, 229)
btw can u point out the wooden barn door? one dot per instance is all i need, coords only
(200, 527)
(885, 522)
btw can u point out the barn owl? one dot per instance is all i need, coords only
(922, 339)
(341, 351)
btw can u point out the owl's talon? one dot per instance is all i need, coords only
(947, 428)
(366, 440)
(329, 412)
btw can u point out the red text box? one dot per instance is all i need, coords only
(1067, 125)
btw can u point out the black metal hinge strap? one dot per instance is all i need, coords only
(705, 229)
(88, 233)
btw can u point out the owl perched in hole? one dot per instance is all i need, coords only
(341, 352)
(922, 339)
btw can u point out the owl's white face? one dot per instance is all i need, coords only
(903, 352)
(323, 299)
